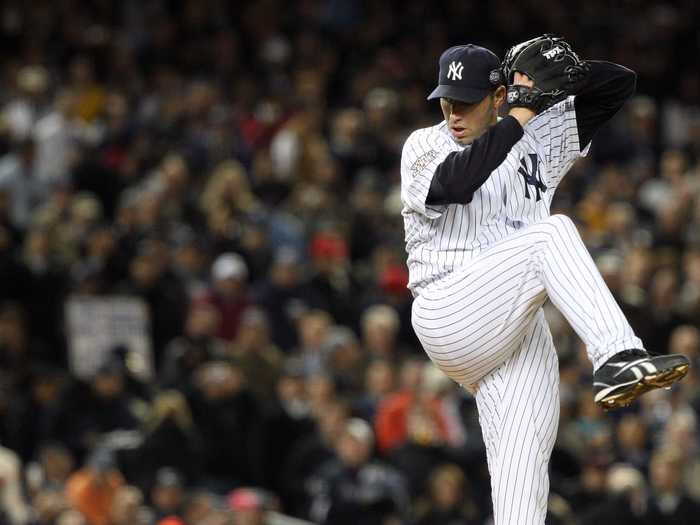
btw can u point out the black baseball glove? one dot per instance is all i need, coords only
(556, 70)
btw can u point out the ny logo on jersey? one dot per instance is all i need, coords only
(531, 175)
(552, 52)
(455, 70)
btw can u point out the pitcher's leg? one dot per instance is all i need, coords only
(623, 371)
(577, 289)
(519, 412)
(472, 321)
(478, 319)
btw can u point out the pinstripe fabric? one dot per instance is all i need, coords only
(440, 239)
(519, 415)
(472, 321)
(480, 274)
(484, 325)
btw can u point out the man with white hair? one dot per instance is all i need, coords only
(380, 328)
(626, 501)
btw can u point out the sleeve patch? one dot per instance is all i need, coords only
(423, 161)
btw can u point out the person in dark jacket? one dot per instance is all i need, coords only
(227, 416)
(354, 488)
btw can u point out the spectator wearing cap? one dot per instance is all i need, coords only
(332, 286)
(228, 292)
(354, 488)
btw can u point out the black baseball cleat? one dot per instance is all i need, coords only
(629, 374)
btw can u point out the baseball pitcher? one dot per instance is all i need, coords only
(484, 253)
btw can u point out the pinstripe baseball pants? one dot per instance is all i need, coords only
(484, 325)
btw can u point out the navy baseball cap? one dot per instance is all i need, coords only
(467, 73)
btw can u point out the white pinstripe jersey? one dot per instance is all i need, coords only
(442, 238)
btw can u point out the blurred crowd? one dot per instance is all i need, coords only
(234, 165)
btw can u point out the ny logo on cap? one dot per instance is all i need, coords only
(455, 70)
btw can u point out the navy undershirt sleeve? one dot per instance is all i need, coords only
(462, 172)
(607, 88)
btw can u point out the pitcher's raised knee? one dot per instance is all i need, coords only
(563, 221)
(562, 225)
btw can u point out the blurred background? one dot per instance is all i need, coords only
(203, 311)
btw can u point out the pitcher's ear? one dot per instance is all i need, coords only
(499, 96)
